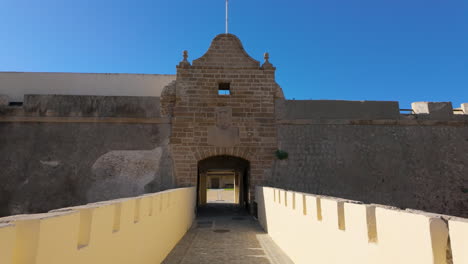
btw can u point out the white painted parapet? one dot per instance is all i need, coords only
(132, 230)
(17, 84)
(464, 108)
(317, 229)
(435, 109)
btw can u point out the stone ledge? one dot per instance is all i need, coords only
(373, 122)
(27, 119)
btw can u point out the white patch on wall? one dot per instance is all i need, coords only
(123, 173)
(52, 163)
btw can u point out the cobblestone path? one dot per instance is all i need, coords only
(223, 233)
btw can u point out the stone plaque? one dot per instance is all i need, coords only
(223, 134)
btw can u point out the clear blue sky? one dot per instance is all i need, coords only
(403, 50)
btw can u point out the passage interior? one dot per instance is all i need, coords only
(223, 180)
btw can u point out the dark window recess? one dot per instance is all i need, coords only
(15, 104)
(224, 89)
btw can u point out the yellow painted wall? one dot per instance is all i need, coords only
(141, 229)
(458, 228)
(317, 229)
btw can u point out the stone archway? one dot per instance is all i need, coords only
(227, 166)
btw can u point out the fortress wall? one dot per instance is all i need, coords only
(336, 109)
(135, 230)
(53, 157)
(91, 106)
(421, 165)
(366, 110)
(319, 229)
(16, 84)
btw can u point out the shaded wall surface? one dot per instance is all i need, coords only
(52, 159)
(406, 166)
(134, 230)
(319, 229)
(409, 161)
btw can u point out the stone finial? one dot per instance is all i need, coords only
(184, 63)
(267, 64)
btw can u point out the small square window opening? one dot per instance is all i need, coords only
(224, 89)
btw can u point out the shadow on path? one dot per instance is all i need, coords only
(226, 233)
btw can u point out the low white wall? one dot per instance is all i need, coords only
(16, 84)
(316, 229)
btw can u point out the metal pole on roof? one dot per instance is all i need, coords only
(227, 16)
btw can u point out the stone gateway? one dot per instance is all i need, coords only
(221, 114)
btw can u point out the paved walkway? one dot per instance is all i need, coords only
(219, 196)
(223, 233)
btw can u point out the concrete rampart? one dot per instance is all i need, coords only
(365, 110)
(16, 84)
(318, 229)
(135, 230)
(331, 109)
(91, 106)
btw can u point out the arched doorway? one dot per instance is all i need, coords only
(223, 180)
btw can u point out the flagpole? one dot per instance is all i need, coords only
(227, 16)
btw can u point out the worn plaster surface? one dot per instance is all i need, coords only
(406, 166)
(48, 165)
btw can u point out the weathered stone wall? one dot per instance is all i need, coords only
(409, 165)
(62, 151)
(206, 124)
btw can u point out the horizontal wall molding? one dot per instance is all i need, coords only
(454, 123)
(129, 120)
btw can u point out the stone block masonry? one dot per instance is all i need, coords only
(206, 123)
(408, 166)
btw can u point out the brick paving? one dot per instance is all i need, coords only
(225, 234)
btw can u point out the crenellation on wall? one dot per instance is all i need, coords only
(436, 110)
(464, 108)
(458, 229)
(123, 230)
(318, 227)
